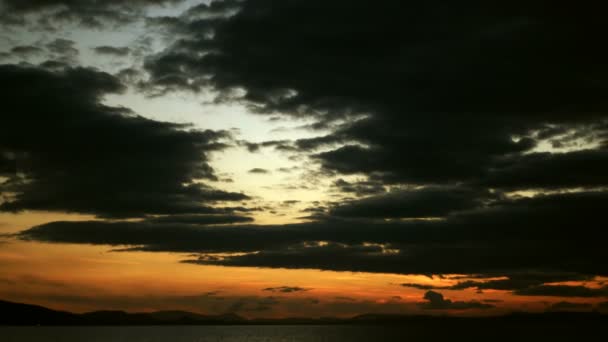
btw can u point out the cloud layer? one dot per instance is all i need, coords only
(477, 134)
(88, 13)
(529, 234)
(64, 150)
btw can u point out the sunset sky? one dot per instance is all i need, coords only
(309, 158)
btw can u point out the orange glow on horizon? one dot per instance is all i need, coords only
(86, 278)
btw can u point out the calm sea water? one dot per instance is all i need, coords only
(283, 333)
(201, 334)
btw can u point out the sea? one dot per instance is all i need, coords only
(224, 333)
(304, 333)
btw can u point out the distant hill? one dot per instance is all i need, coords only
(25, 314)
(30, 315)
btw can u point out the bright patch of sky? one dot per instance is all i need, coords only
(291, 184)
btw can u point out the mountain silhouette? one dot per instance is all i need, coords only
(18, 314)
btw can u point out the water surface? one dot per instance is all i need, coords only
(198, 333)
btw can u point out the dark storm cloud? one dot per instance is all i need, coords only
(26, 51)
(156, 236)
(214, 10)
(129, 75)
(62, 47)
(201, 219)
(34, 5)
(512, 281)
(279, 145)
(426, 202)
(88, 13)
(449, 89)
(527, 284)
(492, 300)
(437, 151)
(436, 301)
(359, 188)
(56, 65)
(72, 153)
(285, 289)
(311, 144)
(112, 50)
(325, 256)
(259, 171)
(563, 291)
(568, 306)
(215, 7)
(546, 232)
(63, 50)
(423, 286)
(7, 164)
(585, 168)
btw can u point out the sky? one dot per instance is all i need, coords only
(304, 158)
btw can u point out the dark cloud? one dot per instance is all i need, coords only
(258, 170)
(319, 255)
(7, 165)
(33, 5)
(316, 211)
(129, 75)
(80, 155)
(26, 51)
(512, 281)
(213, 10)
(63, 50)
(284, 170)
(393, 155)
(359, 188)
(279, 145)
(285, 289)
(436, 301)
(563, 291)
(168, 236)
(586, 168)
(568, 306)
(112, 50)
(201, 219)
(422, 286)
(88, 13)
(216, 7)
(56, 65)
(546, 232)
(289, 203)
(311, 144)
(426, 202)
(492, 300)
(449, 90)
(526, 284)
